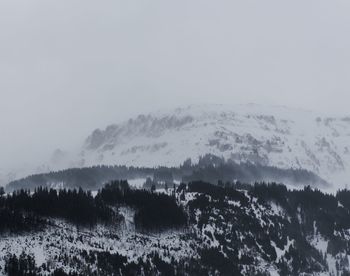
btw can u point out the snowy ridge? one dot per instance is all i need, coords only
(267, 135)
(274, 136)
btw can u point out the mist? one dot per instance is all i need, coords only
(68, 67)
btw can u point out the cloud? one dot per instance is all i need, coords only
(68, 67)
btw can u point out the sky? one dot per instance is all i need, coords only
(70, 66)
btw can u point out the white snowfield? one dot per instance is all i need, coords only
(276, 136)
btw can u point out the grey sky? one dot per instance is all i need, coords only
(69, 66)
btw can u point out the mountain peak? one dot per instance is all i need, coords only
(275, 136)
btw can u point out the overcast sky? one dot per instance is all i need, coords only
(69, 66)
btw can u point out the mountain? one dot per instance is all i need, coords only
(270, 136)
(263, 135)
(197, 229)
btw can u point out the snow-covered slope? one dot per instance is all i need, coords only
(267, 230)
(276, 136)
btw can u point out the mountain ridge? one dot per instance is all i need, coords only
(274, 136)
(278, 136)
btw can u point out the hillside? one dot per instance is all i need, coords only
(278, 137)
(264, 230)
(270, 136)
(209, 168)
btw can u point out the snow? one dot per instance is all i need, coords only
(39, 255)
(282, 137)
(277, 209)
(331, 264)
(257, 211)
(137, 183)
(318, 241)
(273, 272)
(64, 238)
(280, 253)
(189, 197)
(56, 185)
(320, 244)
(128, 214)
(271, 135)
(211, 239)
(234, 203)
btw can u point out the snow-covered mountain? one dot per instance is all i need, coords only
(266, 135)
(275, 136)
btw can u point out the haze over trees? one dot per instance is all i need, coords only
(209, 168)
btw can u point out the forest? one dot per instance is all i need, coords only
(228, 226)
(23, 210)
(209, 168)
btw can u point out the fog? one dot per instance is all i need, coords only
(70, 66)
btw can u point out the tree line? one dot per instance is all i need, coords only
(23, 210)
(209, 168)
